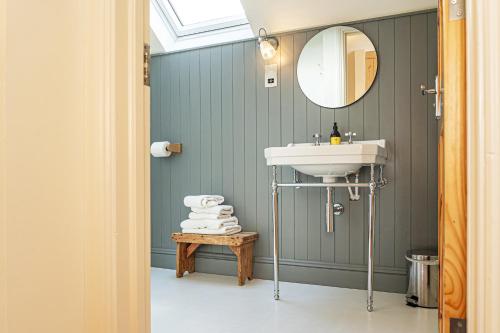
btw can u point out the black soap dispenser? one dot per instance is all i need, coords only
(335, 137)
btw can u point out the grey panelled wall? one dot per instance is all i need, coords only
(214, 102)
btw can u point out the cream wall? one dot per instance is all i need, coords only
(483, 121)
(74, 187)
(3, 225)
(44, 161)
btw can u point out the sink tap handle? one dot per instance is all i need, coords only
(317, 138)
(350, 135)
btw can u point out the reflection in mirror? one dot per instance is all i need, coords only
(337, 67)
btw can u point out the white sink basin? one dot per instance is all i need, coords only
(328, 161)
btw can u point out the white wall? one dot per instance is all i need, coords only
(288, 15)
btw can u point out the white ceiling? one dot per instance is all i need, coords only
(288, 15)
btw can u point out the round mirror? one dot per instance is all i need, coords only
(337, 67)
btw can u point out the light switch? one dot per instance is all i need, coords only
(271, 76)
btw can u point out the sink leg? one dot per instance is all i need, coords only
(275, 235)
(371, 235)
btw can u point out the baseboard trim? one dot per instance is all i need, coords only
(313, 272)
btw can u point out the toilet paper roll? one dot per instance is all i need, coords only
(159, 149)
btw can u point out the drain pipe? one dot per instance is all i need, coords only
(356, 189)
(296, 178)
(353, 196)
(329, 209)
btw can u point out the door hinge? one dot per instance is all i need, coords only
(458, 325)
(456, 10)
(147, 64)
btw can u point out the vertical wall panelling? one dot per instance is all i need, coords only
(156, 165)
(353, 248)
(216, 118)
(216, 123)
(185, 136)
(175, 134)
(387, 131)
(239, 130)
(206, 126)
(433, 132)
(402, 141)
(419, 133)
(343, 222)
(357, 227)
(286, 90)
(206, 121)
(274, 132)
(227, 160)
(313, 116)
(166, 168)
(263, 187)
(213, 100)
(371, 130)
(196, 145)
(249, 219)
(299, 135)
(327, 239)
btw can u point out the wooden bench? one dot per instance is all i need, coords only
(241, 244)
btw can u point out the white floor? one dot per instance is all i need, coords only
(213, 303)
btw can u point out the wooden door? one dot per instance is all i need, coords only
(452, 192)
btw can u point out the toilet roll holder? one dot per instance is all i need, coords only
(165, 149)
(175, 148)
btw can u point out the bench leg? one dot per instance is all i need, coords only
(183, 261)
(244, 255)
(248, 261)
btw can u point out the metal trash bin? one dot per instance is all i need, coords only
(423, 275)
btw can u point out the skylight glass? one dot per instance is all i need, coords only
(192, 12)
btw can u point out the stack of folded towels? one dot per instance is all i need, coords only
(209, 216)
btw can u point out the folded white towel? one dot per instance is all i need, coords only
(209, 224)
(207, 216)
(220, 209)
(221, 231)
(203, 201)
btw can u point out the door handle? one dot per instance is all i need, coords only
(425, 91)
(437, 92)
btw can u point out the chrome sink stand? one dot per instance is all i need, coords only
(372, 185)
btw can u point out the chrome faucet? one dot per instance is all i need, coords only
(350, 135)
(317, 138)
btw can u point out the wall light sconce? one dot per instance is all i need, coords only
(267, 45)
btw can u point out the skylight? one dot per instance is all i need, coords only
(190, 17)
(192, 12)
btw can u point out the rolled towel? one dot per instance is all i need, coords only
(207, 216)
(229, 230)
(209, 224)
(203, 201)
(220, 209)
